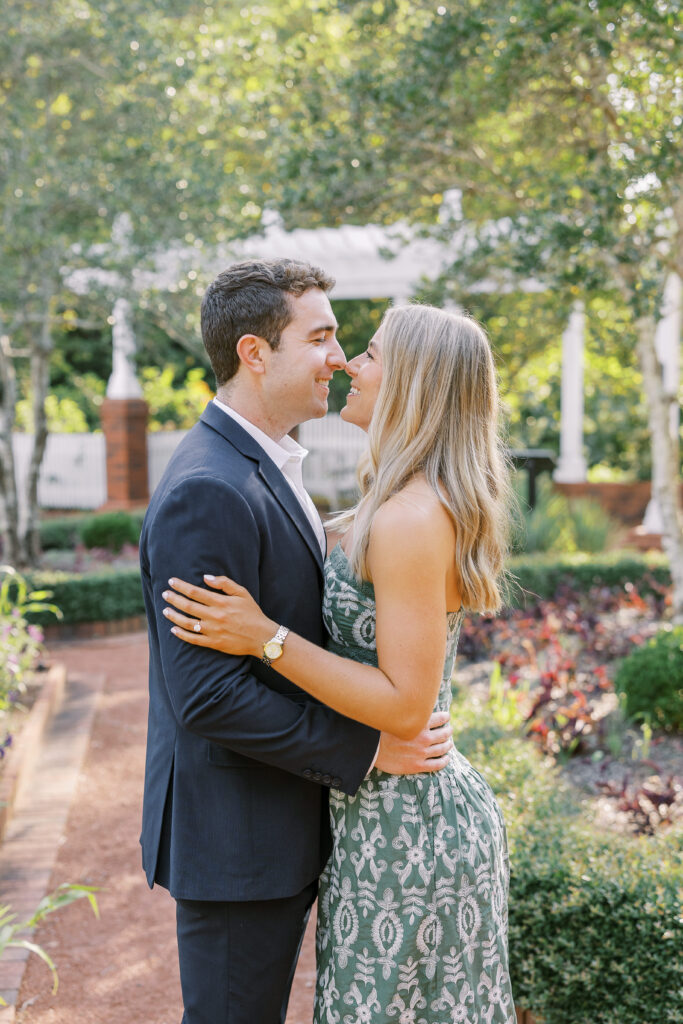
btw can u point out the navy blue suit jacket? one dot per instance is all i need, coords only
(239, 760)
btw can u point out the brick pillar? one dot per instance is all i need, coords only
(124, 422)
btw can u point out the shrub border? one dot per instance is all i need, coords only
(99, 597)
(111, 595)
(531, 578)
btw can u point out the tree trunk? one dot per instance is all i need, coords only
(40, 383)
(9, 506)
(665, 456)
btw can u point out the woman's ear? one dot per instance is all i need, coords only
(250, 351)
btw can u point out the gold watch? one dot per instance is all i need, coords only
(272, 649)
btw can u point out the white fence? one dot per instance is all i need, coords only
(73, 474)
(160, 447)
(334, 448)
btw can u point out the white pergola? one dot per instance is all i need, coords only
(356, 257)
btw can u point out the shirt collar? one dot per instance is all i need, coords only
(279, 451)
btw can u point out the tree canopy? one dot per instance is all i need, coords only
(558, 124)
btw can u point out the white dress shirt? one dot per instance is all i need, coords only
(288, 456)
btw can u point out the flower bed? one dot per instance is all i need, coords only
(552, 673)
(28, 695)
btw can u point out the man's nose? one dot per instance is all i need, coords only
(336, 359)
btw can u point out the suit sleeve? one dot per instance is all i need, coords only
(207, 526)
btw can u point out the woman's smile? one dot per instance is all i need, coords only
(365, 368)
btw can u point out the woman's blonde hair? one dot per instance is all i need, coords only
(437, 413)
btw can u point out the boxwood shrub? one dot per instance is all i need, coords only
(111, 530)
(650, 680)
(542, 575)
(98, 597)
(95, 530)
(61, 534)
(595, 930)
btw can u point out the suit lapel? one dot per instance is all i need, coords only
(275, 480)
(268, 471)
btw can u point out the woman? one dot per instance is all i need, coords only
(412, 918)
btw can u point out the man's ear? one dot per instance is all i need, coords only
(250, 351)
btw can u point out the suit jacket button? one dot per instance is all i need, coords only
(336, 782)
(318, 776)
(327, 779)
(307, 773)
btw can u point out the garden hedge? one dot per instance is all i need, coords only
(541, 576)
(65, 533)
(595, 930)
(98, 597)
(61, 534)
(116, 594)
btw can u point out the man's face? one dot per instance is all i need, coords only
(298, 373)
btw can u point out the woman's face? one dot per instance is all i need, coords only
(365, 372)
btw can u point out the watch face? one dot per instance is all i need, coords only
(272, 649)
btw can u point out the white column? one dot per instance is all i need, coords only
(667, 345)
(571, 467)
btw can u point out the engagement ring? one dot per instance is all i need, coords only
(197, 627)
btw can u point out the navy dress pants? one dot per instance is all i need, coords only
(237, 960)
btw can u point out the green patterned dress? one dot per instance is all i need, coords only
(412, 907)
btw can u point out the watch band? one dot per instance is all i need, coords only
(278, 639)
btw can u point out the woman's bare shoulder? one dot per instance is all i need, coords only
(413, 516)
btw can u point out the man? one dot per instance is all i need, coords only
(239, 761)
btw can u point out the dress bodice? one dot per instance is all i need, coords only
(349, 617)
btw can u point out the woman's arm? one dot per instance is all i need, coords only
(408, 556)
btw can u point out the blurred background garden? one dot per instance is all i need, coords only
(518, 159)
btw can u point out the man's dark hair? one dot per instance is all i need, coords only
(252, 297)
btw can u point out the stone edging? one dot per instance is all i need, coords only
(22, 755)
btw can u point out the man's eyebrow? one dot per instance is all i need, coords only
(323, 329)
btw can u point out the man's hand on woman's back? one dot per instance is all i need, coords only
(427, 752)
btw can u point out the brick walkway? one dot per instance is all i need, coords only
(78, 821)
